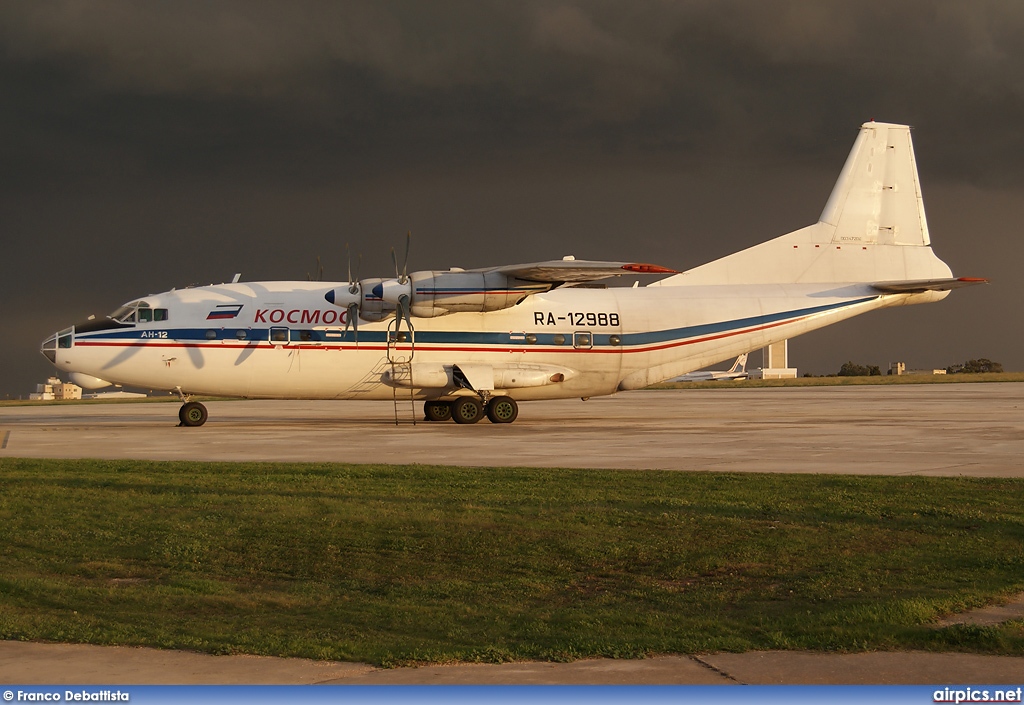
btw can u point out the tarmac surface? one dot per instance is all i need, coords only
(940, 429)
(80, 664)
(929, 429)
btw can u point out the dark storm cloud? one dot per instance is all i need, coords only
(152, 144)
(411, 80)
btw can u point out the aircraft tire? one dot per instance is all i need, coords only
(192, 414)
(502, 410)
(467, 410)
(437, 411)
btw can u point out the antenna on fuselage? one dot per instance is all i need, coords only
(237, 277)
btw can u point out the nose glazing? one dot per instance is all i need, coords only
(61, 339)
(49, 348)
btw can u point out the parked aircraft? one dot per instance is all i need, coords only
(737, 371)
(470, 343)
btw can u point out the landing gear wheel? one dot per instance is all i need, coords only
(192, 414)
(437, 411)
(467, 410)
(502, 410)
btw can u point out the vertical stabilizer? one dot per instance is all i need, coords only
(873, 227)
(877, 199)
(740, 365)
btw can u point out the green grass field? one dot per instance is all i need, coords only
(392, 564)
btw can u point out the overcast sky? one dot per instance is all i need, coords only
(148, 145)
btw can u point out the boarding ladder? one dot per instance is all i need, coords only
(400, 359)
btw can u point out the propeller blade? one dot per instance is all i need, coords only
(402, 311)
(352, 319)
(405, 262)
(394, 258)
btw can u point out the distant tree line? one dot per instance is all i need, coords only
(851, 369)
(974, 367)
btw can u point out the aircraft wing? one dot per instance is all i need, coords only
(916, 286)
(576, 271)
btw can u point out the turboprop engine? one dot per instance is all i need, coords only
(433, 294)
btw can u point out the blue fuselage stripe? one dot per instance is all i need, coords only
(253, 334)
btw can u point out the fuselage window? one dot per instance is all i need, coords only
(160, 314)
(211, 335)
(145, 315)
(241, 334)
(305, 336)
(279, 335)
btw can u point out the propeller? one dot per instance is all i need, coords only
(319, 272)
(352, 318)
(352, 315)
(403, 303)
(403, 278)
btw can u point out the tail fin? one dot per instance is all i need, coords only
(877, 199)
(873, 227)
(740, 365)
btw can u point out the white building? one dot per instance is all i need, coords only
(54, 389)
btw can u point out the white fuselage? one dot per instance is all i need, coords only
(284, 340)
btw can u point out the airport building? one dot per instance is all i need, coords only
(900, 368)
(54, 389)
(775, 363)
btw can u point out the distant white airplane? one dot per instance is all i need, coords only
(737, 371)
(469, 343)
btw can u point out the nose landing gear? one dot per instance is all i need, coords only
(192, 413)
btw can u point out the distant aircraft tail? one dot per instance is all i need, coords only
(873, 228)
(740, 365)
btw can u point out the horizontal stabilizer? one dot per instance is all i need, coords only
(922, 285)
(576, 271)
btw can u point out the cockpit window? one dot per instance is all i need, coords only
(138, 312)
(125, 314)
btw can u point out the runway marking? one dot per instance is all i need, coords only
(3, 443)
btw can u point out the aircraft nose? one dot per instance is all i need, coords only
(60, 339)
(49, 348)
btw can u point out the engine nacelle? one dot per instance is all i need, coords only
(371, 306)
(440, 293)
(433, 294)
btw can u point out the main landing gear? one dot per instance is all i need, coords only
(466, 410)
